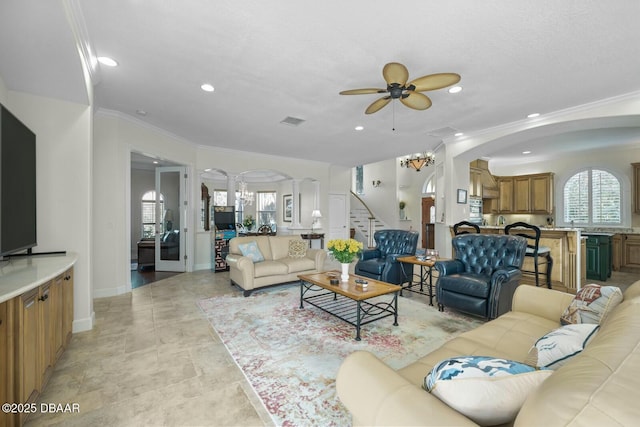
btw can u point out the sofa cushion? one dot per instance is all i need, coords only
(298, 248)
(295, 265)
(270, 268)
(250, 250)
(558, 346)
(592, 304)
(487, 390)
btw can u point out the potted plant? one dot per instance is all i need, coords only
(402, 204)
(249, 222)
(344, 251)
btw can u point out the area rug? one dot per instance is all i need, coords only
(291, 356)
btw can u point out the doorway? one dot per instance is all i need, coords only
(428, 222)
(157, 214)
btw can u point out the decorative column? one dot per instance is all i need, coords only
(295, 209)
(231, 190)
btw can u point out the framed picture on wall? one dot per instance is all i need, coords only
(287, 207)
(462, 196)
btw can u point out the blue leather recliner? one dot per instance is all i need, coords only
(484, 275)
(382, 263)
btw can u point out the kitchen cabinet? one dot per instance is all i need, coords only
(598, 256)
(26, 360)
(529, 194)
(636, 187)
(631, 252)
(475, 182)
(616, 252)
(505, 198)
(5, 374)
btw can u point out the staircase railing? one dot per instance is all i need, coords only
(371, 222)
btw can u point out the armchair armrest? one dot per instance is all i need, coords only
(503, 285)
(370, 254)
(375, 394)
(240, 262)
(451, 266)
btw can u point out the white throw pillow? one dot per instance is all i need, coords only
(487, 390)
(558, 346)
(251, 250)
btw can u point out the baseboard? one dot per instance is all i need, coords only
(110, 292)
(86, 324)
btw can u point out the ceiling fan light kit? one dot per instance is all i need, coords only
(409, 94)
(418, 161)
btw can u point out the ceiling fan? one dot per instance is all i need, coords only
(396, 76)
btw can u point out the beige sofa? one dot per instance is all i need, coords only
(277, 267)
(598, 387)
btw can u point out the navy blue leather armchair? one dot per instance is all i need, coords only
(382, 263)
(484, 275)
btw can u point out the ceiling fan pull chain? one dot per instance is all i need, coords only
(393, 128)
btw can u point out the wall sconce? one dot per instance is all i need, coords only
(376, 183)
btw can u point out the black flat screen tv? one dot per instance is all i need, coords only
(17, 185)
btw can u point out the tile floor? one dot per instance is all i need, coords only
(153, 359)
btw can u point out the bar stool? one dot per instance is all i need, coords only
(532, 234)
(457, 232)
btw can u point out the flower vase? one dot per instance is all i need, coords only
(345, 272)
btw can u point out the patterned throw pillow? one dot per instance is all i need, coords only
(592, 304)
(251, 250)
(298, 248)
(487, 390)
(558, 346)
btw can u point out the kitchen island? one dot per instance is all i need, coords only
(568, 253)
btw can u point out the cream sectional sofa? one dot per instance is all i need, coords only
(277, 267)
(598, 387)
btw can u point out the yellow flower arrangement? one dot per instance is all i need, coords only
(344, 250)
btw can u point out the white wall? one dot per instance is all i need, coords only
(116, 135)
(63, 146)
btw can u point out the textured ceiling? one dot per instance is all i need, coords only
(271, 60)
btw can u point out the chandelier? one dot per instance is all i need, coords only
(418, 161)
(246, 197)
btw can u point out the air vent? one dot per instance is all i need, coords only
(443, 132)
(292, 121)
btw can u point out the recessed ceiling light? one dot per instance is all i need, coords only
(207, 87)
(109, 62)
(526, 152)
(359, 127)
(532, 115)
(155, 162)
(458, 134)
(455, 89)
(141, 113)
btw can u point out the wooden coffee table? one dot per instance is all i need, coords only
(425, 278)
(348, 300)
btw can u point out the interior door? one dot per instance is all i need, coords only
(428, 223)
(338, 217)
(171, 218)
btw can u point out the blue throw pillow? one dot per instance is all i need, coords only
(251, 250)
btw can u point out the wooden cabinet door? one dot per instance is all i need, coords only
(475, 182)
(505, 200)
(521, 194)
(57, 337)
(67, 306)
(541, 193)
(26, 360)
(636, 187)
(631, 251)
(616, 252)
(45, 332)
(5, 374)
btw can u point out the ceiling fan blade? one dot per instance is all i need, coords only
(435, 81)
(415, 100)
(394, 72)
(362, 91)
(377, 105)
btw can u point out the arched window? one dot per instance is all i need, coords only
(593, 197)
(149, 214)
